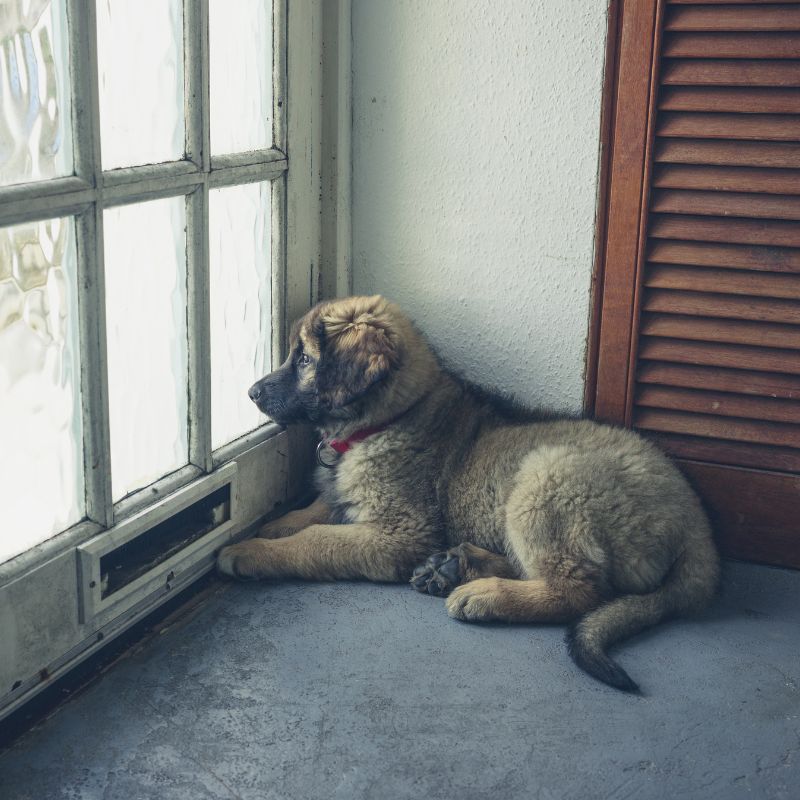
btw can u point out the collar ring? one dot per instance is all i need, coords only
(324, 447)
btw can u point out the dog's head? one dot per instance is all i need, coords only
(345, 357)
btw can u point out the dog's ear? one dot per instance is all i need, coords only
(359, 348)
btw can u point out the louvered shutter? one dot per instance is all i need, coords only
(699, 343)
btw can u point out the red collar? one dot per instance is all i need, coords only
(343, 445)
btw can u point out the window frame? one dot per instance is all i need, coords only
(272, 462)
(86, 194)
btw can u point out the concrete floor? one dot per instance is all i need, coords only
(360, 691)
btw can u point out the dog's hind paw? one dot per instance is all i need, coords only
(439, 575)
(465, 562)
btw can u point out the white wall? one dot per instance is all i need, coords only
(475, 158)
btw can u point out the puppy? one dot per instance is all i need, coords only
(509, 514)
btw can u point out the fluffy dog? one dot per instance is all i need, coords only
(511, 515)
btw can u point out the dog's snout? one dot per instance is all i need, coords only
(254, 392)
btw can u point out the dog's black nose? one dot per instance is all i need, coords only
(254, 392)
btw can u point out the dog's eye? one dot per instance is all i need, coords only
(303, 360)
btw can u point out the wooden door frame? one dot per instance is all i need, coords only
(750, 518)
(628, 108)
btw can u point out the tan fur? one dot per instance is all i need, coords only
(475, 562)
(309, 341)
(504, 600)
(319, 552)
(295, 521)
(545, 520)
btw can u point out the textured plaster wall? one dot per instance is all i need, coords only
(475, 158)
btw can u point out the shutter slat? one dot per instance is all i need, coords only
(766, 384)
(736, 154)
(705, 304)
(727, 179)
(720, 229)
(728, 204)
(761, 127)
(730, 2)
(730, 256)
(729, 72)
(740, 454)
(707, 354)
(760, 334)
(737, 99)
(719, 404)
(758, 284)
(730, 45)
(750, 17)
(733, 429)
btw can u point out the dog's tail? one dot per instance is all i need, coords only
(689, 585)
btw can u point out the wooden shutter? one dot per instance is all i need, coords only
(698, 336)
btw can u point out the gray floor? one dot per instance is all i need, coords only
(357, 691)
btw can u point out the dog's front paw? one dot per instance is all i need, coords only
(244, 560)
(276, 529)
(439, 575)
(477, 601)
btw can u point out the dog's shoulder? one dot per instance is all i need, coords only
(505, 408)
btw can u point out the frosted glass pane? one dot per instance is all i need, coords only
(41, 455)
(145, 257)
(35, 130)
(140, 57)
(240, 35)
(241, 305)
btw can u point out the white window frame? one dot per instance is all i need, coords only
(42, 588)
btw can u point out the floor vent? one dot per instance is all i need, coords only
(157, 549)
(123, 565)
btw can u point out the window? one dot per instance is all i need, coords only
(143, 287)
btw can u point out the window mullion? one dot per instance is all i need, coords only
(85, 98)
(247, 168)
(196, 88)
(280, 323)
(151, 188)
(279, 75)
(94, 372)
(24, 202)
(89, 235)
(196, 70)
(199, 328)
